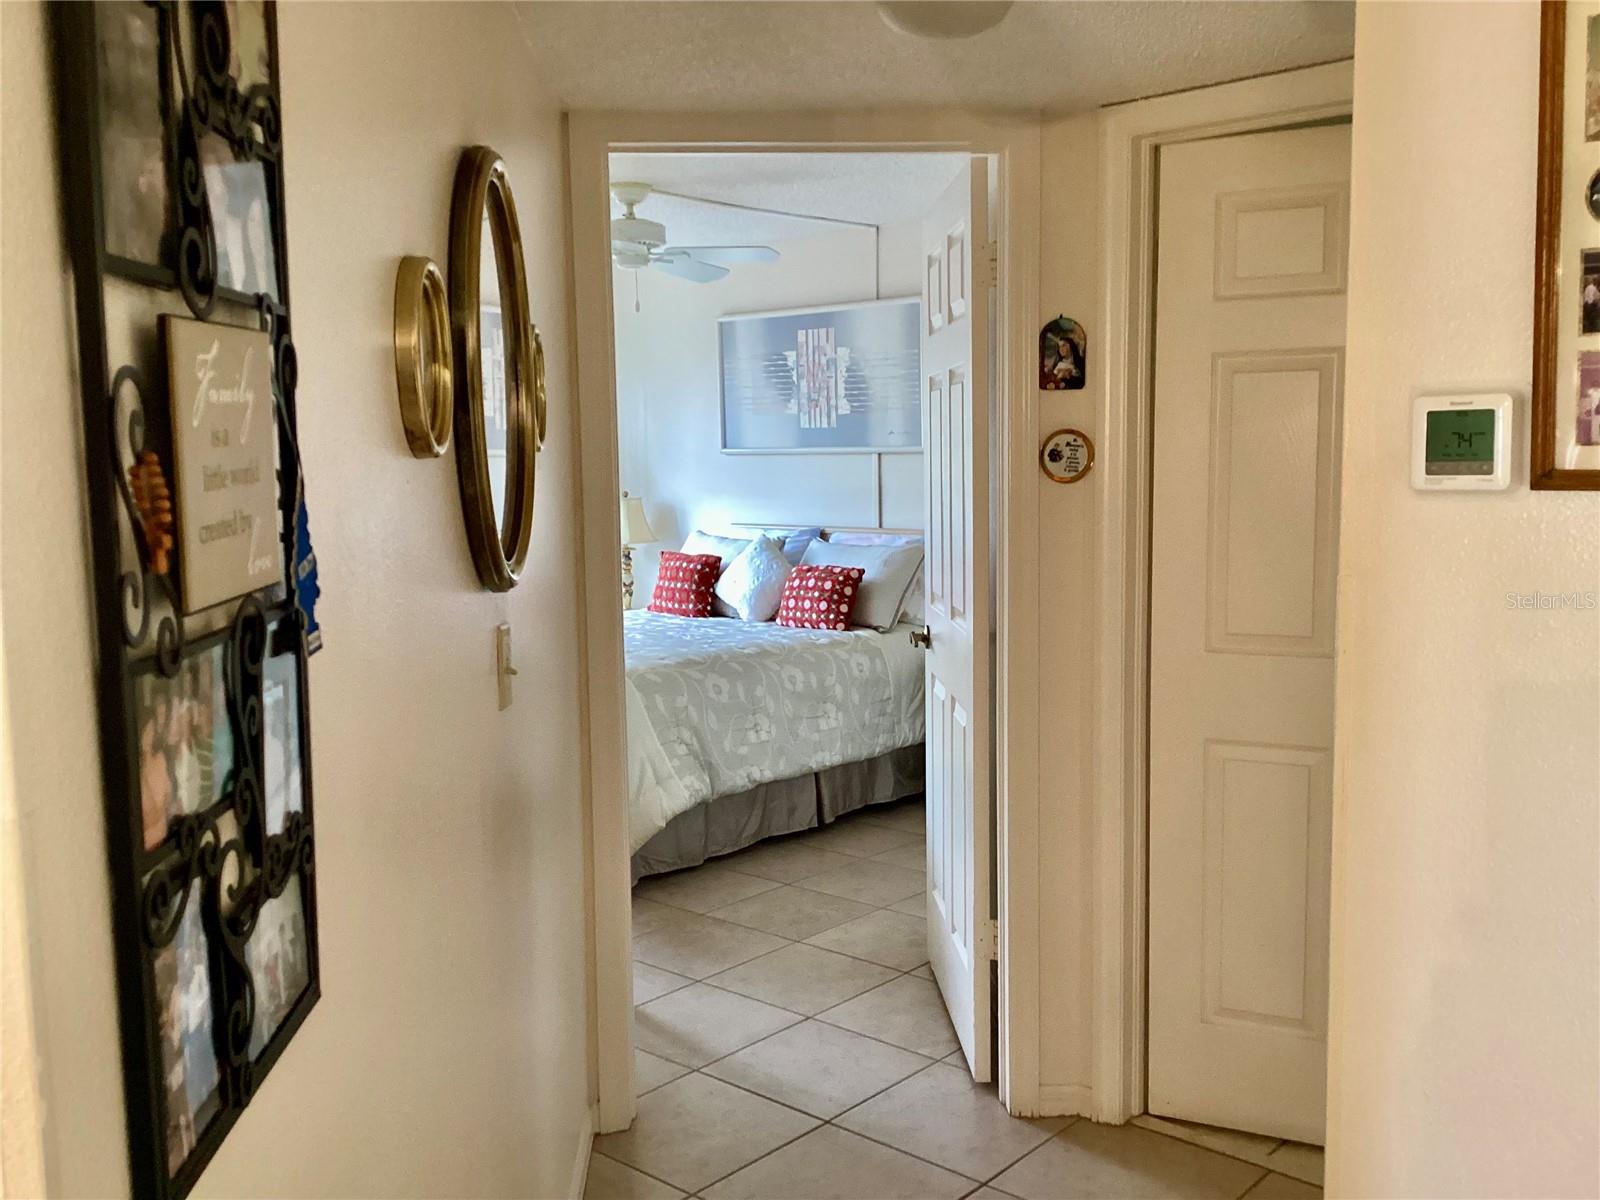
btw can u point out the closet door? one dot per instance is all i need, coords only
(955, 358)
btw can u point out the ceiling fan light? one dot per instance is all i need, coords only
(943, 19)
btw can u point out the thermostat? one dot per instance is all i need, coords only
(1461, 443)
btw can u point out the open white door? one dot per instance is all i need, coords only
(955, 366)
(1250, 314)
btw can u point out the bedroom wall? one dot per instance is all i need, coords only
(448, 1055)
(1466, 987)
(669, 423)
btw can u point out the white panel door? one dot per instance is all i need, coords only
(1250, 311)
(955, 358)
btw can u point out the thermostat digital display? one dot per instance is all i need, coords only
(1461, 442)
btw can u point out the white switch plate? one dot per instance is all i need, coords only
(503, 669)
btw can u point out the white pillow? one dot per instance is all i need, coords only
(795, 541)
(701, 542)
(752, 585)
(889, 570)
(913, 607)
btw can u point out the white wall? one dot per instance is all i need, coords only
(669, 429)
(448, 1054)
(1466, 992)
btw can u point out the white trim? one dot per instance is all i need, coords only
(579, 1179)
(1131, 134)
(821, 308)
(1015, 145)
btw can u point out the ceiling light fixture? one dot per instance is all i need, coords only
(943, 18)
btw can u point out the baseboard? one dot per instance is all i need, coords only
(580, 1162)
(1066, 1100)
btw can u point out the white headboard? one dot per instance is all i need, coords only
(829, 530)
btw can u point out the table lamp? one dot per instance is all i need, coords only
(636, 531)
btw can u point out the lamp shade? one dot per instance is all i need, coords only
(636, 529)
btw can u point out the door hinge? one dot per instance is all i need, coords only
(988, 946)
(986, 264)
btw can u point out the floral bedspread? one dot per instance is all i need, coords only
(717, 706)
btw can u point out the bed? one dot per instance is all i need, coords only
(739, 731)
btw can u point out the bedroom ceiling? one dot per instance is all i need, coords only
(875, 189)
(1059, 56)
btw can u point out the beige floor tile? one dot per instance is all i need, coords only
(906, 816)
(873, 883)
(696, 946)
(923, 972)
(818, 1068)
(989, 1193)
(1086, 1161)
(700, 1023)
(611, 1180)
(792, 912)
(914, 856)
(1251, 1147)
(787, 861)
(1280, 1187)
(830, 1164)
(703, 888)
(915, 906)
(650, 983)
(803, 979)
(859, 838)
(941, 1115)
(904, 1012)
(650, 1072)
(697, 1129)
(1298, 1161)
(648, 915)
(893, 939)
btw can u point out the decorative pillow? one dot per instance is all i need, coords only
(752, 584)
(820, 597)
(887, 572)
(913, 607)
(795, 541)
(729, 548)
(684, 583)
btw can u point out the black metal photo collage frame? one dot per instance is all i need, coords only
(173, 199)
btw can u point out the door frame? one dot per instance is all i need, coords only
(1130, 137)
(1014, 144)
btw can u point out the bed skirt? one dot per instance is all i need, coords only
(731, 823)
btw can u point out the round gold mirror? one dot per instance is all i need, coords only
(422, 356)
(497, 380)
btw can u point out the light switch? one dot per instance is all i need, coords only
(502, 663)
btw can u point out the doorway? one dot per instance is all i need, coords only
(592, 143)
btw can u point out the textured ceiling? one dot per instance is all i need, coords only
(1060, 56)
(875, 189)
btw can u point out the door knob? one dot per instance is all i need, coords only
(922, 637)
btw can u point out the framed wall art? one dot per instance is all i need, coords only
(1564, 448)
(204, 577)
(836, 379)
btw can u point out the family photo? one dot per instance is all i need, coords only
(279, 960)
(185, 742)
(280, 775)
(188, 1051)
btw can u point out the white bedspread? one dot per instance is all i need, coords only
(717, 706)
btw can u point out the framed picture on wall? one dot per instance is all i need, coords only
(1564, 448)
(842, 378)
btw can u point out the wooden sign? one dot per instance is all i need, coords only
(1067, 455)
(224, 441)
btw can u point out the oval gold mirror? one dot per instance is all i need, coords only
(497, 434)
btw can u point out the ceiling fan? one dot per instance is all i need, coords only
(637, 242)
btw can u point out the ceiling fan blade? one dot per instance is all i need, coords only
(690, 268)
(725, 255)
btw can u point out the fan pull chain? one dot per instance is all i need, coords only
(635, 275)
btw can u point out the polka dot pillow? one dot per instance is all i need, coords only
(820, 597)
(685, 584)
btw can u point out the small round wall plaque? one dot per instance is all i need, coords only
(1067, 455)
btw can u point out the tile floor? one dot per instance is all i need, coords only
(791, 1045)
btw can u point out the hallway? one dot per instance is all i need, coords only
(790, 1043)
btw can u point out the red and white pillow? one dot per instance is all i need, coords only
(820, 597)
(685, 583)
